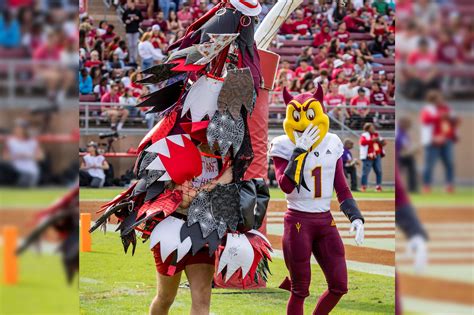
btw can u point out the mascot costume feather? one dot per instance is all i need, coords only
(308, 168)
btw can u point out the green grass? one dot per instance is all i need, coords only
(42, 288)
(29, 197)
(109, 193)
(463, 196)
(115, 283)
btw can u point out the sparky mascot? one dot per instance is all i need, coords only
(308, 167)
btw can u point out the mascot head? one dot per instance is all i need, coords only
(303, 110)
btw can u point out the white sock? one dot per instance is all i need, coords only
(120, 126)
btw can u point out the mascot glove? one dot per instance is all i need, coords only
(416, 248)
(358, 226)
(309, 136)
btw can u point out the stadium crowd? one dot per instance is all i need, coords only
(348, 69)
(46, 35)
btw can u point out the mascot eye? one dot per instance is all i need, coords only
(310, 114)
(296, 115)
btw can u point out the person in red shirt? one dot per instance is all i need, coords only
(301, 25)
(448, 51)
(353, 22)
(371, 154)
(438, 135)
(359, 109)
(285, 71)
(422, 71)
(109, 34)
(323, 36)
(366, 12)
(335, 103)
(342, 34)
(288, 27)
(348, 67)
(200, 9)
(47, 67)
(185, 15)
(303, 68)
(114, 113)
(321, 55)
(377, 96)
(160, 20)
(94, 60)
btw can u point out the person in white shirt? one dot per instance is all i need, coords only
(23, 153)
(93, 167)
(148, 53)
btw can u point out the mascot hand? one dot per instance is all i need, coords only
(417, 248)
(309, 136)
(358, 226)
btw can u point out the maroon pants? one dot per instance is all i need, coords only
(313, 233)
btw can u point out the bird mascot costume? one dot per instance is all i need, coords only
(308, 168)
(205, 91)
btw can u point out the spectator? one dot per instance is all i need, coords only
(10, 30)
(109, 35)
(378, 27)
(185, 15)
(102, 28)
(353, 22)
(438, 136)
(389, 46)
(350, 164)
(115, 66)
(114, 113)
(302, 26)
(24, 153)
(376, 47)
(93, 166)
(132, 17)
(148, 53)
(102, 88)
(381, 6)
(349, 90)
(285, 71)
(336, 14)
(322, 37)
(303, 68)
(321, 55)
(359, 109)
(158, 39)
(166, 6)
(363, 51)
(149, 117)
(337, 68)
(96, 75)
(362, 68)
(421, 72)
(322, 78)
(306, 54)
(94, 60)
(342, 34)
(85, 82)
(378, 96)
(348, 66)
(406, 153)
(335, 104)
(161, 21)
(174, 24)
(121, 50)
(127, 98)
(201, 9)
(371, 153)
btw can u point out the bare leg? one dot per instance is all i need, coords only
(167, 288)
(200, 281)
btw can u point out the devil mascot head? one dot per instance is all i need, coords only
(303, 110)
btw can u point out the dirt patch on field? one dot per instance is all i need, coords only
(440, 290)
(355, 253)
(24, 219)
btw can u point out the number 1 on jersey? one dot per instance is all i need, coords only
(316, 173)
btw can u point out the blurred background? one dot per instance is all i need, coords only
(435, 117)
(38, 162)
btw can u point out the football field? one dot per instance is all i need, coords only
(114, 282)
